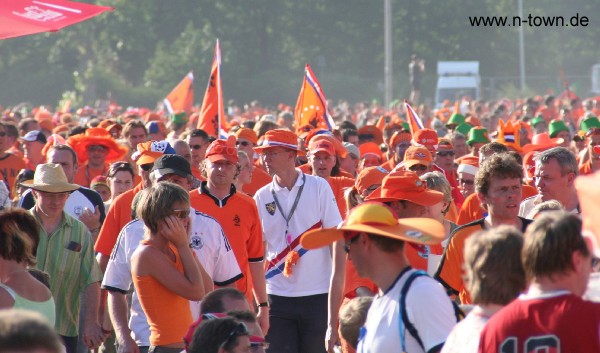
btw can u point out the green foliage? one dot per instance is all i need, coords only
(139, 52)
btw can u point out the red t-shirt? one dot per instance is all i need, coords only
(260, 178)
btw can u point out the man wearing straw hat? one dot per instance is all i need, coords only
(65, 252)
(411, 310)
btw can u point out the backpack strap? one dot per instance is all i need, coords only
(403, 314)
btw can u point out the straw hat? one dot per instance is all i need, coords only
(378, 219)
(50, 177)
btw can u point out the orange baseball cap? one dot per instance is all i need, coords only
(400, 136)
(368, 177)
(337, 144)
(444, 145)
(279, 138)
(417, 155)
(405, 185)
(247, 134)
(149, 151)
(370, 148)
(376, 218)
(321, 145)
(427, 138)
(222, 150)
(372, 130)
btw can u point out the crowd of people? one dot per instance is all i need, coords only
(133, 231)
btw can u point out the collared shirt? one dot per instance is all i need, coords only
(67, 256)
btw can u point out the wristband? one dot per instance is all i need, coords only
(263, 305)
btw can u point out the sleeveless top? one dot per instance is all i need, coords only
(46, 308)
(168, 314)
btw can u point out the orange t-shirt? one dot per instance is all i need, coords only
(166, 326)
(471, 209)
(85, 174)
(118, 216)
(307, 169)
(389, 165)
(260, 178)
(418, 254)
(10, 166)
(338, 186)
(450, 270)
(238, 216)
(586, 168)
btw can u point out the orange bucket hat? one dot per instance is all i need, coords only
(541, 142)
(372, 130)
(370, 148)
(96, 136)
(405, 185)
(400, 136)
(279, 138)
(368, 177)
(376, 218)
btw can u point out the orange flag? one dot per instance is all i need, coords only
(589, 201)
(311, 107)
(181, 97)
(212, 113)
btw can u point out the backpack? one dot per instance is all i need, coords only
(404, 315)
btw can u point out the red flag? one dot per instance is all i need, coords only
(413, 119)
(311, 107)
(24, 17)
(181, 97)
(212, 113)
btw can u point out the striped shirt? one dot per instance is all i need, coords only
(67, 255)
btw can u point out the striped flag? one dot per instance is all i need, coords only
(413, 119)
(311, 107)
(212, 113)
(181, 97)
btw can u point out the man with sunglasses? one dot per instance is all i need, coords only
(416, 159)
(198, 141)
(238, 215)
(398, 144)
(411, 311)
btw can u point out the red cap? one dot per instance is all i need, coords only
(222, 150)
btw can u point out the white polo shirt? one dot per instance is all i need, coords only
(317, 208)
(208, 242)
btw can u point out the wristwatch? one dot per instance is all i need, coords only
(263, 304)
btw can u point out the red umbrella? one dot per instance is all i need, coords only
(23, 17)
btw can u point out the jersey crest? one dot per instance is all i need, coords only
(271, 208)
(236, 220)
(196, 242)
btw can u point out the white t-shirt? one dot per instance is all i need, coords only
(428, 308)
(208, 242)
(316, 208)
(464, 338)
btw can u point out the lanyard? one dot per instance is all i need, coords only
(289, 216)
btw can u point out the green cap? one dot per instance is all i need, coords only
(589, 123)
(478, 135)
(179, 118)
(556, 126)
(405, 125)
(538, 119)
(456, 119)
(463, 128)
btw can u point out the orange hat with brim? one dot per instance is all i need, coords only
(368, 177)
(417, 155)
(370, 148)
(247, 134)
(405, 185)
(378, 219)
(542, 142)
(339, 148)
(372, 130)
(400, 136)
(279, 138)
(96, 136)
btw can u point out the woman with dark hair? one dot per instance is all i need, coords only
(120, 179)
(18, 244)
(221, 335)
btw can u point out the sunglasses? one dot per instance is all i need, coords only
(196, 147)
(243, 143)
(445, 153)
(350, 237)
(466, 182)
(238, 330)
(182, 214)
(146, 167)
(418, 168)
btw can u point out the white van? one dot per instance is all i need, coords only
(457, 79)
(596, 79)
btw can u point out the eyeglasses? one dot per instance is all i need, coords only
(445, 153)
(350, 237)
(196, 147)
(97, 148)
(243, 143)
(466, 182)
(220, 149)
(238, 330)
(146, 167)
(418, 168)
(271, 154)
(183, 214)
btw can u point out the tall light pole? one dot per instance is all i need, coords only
(387, 43)
(521, 49)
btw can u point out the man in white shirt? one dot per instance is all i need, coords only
(297, 278)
